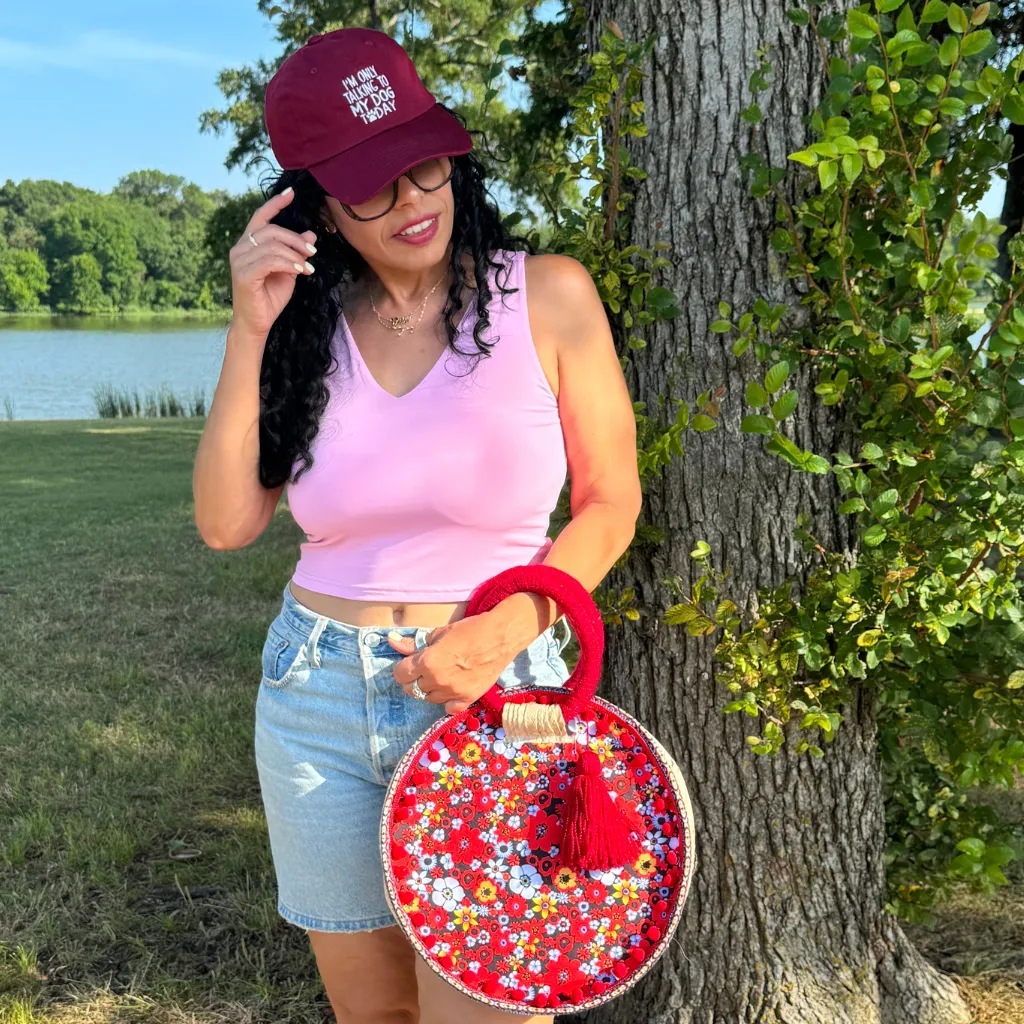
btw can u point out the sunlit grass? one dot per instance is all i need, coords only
(130, 665)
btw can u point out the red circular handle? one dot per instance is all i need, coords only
(584, 616)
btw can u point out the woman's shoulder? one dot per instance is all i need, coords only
(557, 282)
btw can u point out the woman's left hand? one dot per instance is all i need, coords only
(462, 661)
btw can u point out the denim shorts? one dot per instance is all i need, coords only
(331, 726)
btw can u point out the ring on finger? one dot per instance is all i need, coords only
(417, 692)
(253, 240)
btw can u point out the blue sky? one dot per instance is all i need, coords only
(91, 91)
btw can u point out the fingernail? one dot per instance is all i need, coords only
(310, 247)
(309, 266)
(285, 191)
(297, 266)
(395, 637)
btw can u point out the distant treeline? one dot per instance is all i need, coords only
(154, 242)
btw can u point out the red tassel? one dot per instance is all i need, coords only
(596, 835)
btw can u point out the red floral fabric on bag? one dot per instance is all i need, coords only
(474, 872)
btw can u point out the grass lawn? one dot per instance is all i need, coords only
(135, 877)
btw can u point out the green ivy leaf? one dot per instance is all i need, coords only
(956, 19)
(885, 502)
(776, 377)
(757, 397)
(934, 10)
(874, 535)
(852, 505)
(1013, 107)
(754, 424)
(679, 614)
(900, 329)
(861, 25)
(827, 173)
(972, 846)
(784, 405)
(975, 42)
(702, 423)
(702, 549)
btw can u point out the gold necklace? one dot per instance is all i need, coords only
(400, 324)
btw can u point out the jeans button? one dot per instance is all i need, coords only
(373, 639)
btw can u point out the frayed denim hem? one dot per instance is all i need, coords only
(321, 924)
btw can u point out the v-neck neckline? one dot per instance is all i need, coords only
(469, 314)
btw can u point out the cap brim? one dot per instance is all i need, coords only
(361, 172)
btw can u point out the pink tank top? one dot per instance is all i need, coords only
(423, 497)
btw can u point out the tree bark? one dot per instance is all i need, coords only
(785, 919)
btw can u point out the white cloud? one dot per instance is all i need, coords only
(101, 51)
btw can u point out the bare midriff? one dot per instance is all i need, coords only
(377, 613)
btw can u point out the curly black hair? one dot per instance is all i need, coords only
(298, 353)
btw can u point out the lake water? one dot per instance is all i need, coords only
(49, 366)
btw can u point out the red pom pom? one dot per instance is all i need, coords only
(620, 970)
(653, 933)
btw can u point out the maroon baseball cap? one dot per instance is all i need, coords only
(349, 107)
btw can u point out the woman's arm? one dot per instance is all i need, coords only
(232, 508)
(599, 427)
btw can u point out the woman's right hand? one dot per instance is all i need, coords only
(263, 275)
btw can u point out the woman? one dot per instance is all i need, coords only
(422, 391)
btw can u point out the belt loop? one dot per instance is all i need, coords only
(321, 622)
(568, 632)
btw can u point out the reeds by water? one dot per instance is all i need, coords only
(118, 403)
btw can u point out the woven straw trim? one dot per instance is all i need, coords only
(670, 770)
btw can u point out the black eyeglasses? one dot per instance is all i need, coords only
(428, 176)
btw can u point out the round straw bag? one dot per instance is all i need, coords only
(538, 846)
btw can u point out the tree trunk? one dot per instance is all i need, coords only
(785, 920)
